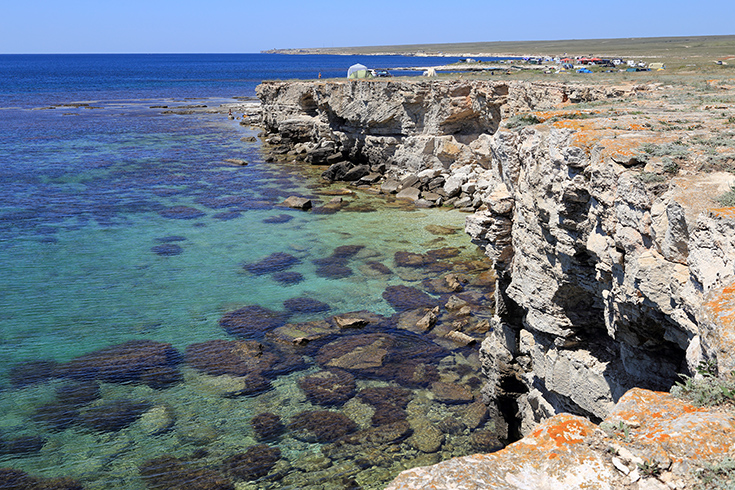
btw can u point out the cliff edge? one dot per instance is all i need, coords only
(615, 263)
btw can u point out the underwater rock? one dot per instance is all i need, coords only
(288, 278)
(442, 253)
(136, 361)
(12, 479)
(57, 416)
(169, 473)
(411, 373)
(305, 305)
(181, 212)
(161, 377)
(387, 413)
(391, 395)
(252, 384)
(302, 333)
(167, 249)
(21, 445)
(357, 352)
(78, 394)
(275, 262)
(227, 215)
(332, 267)
(389, 402)
(171, 238)
(440, 230)
(330, 387)
(379, 267)
(410, 259)
(267, 426)
(449, 283)
(403, 298)
(473, 415)
(113, 415)
(31, 372)
(485, 441)
(347, 251)
(251, 321)
(158, 420)
(451, 393)
(281, 218)
(321, 426)
(426, 438)
(233, 357)
(254, 463)
(358, 319)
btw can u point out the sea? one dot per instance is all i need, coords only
(150, 290)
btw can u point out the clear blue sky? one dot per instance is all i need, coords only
(246, 26)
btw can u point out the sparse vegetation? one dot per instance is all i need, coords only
(650, 177)
(520, 120)
(707, 389)
(675, 150)
(728, 198)
(621, 430)
(720, 476)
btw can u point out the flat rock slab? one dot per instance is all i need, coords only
(567, 451)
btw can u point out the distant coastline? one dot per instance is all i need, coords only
(690, 46)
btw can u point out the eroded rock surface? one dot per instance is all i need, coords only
(644, 430)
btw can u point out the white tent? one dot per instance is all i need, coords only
(358, 71)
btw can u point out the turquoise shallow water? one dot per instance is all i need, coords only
(95, 252)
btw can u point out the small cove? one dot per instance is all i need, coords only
(124, 225)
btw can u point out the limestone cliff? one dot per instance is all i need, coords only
(615, 266)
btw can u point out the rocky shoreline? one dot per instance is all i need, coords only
(615, 263)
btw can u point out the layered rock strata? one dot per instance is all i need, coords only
(616, 268)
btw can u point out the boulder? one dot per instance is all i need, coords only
(267, 426)
(251, 321)
(356, 353)
(288, 278)
(305, 305)
(330, 387)
(451, 393)
(390, 186)
(136, 361)
(409, 194)
(297, 202)
(169, 473)
(275, 262)
(254, 463)
(410, 259)
(233, 357)
(321, 426)
(113, 415)
(403, 298)
(301, 333)
(31, 372)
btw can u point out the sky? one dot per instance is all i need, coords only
(241, 26)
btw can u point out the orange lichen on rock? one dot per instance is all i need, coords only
(568, 432)
(544, 116)
(567, 451)
(726, 213)
(674, 426)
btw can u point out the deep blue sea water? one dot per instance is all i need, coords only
(96, 250)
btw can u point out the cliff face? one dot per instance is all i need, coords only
(616, 269)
